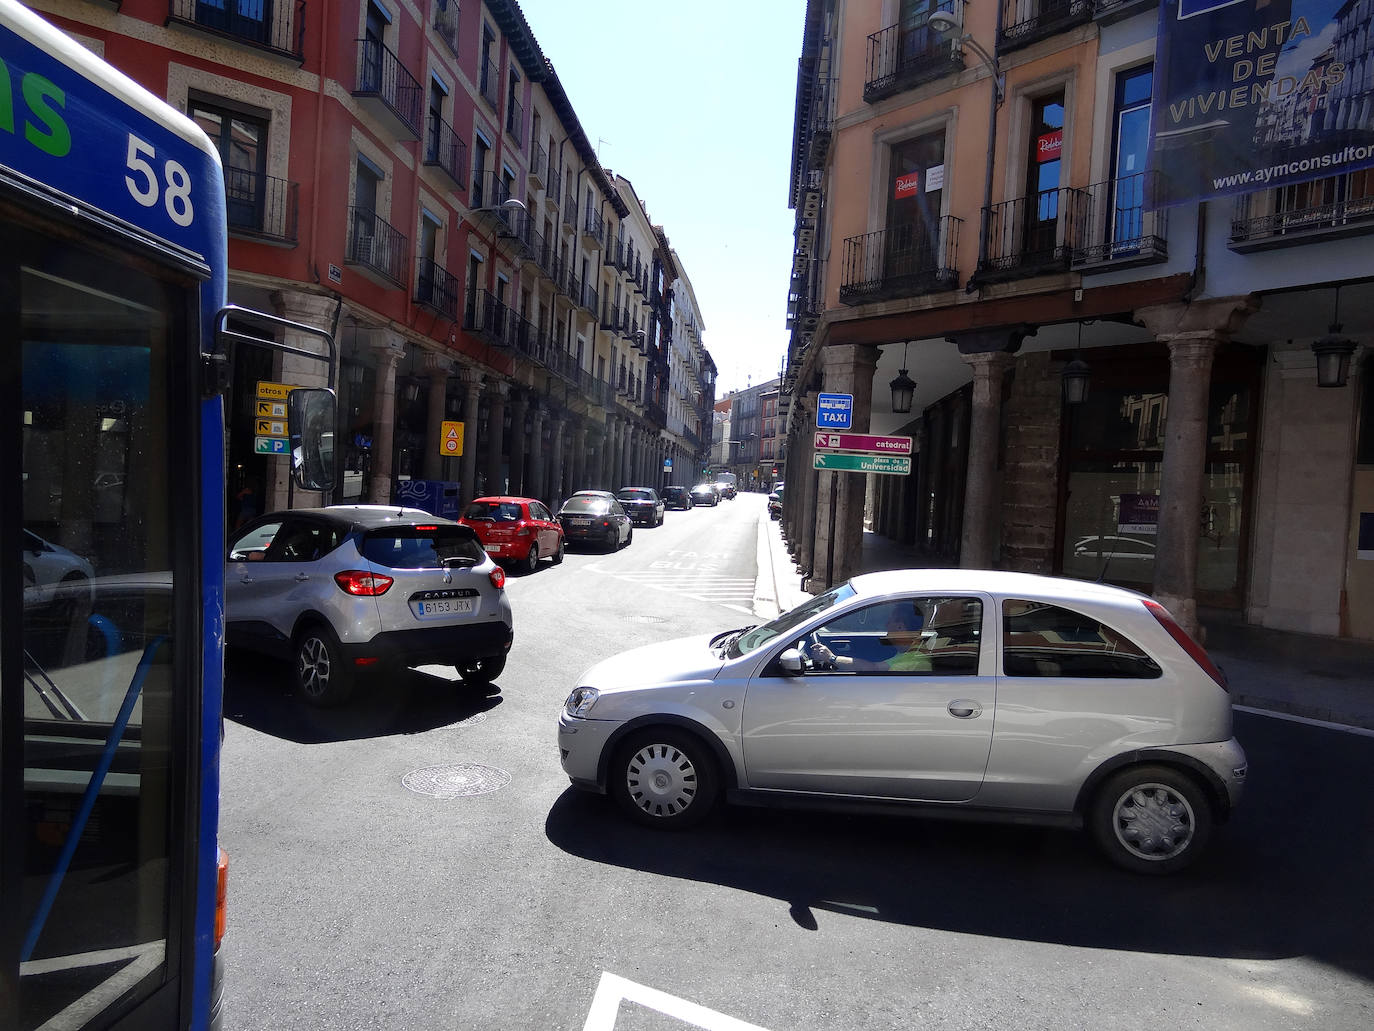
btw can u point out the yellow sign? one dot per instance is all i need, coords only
(274, 391)
(271, 409)
(451, 439)
(270, 428)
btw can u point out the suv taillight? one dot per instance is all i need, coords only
(497, 577)
(363, 584)
(1195, 651)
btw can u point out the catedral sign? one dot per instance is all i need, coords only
(1253, 94)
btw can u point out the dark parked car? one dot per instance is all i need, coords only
(642, 505)
(354, 588)
(705, 494)
(677, 497)
(592, 519)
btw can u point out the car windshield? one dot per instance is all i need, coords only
(500, 511)
(758, 636)
(585, 506)
(632, 494)
(421, 547)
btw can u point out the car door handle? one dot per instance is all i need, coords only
(302, 577)
(965, 709)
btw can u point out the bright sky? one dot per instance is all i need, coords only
(692, 102)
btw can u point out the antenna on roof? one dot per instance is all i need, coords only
(599, 141)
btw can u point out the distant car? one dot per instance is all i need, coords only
(642, 505)
(705, 494)
(590, 518)
(775, 503)
(945, 692)
(725, 489)
(350, 589)
(677, 497)
(592, 494)
(46, 565)
(1113, 548)
(516, 530)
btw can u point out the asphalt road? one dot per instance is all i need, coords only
(358, 902)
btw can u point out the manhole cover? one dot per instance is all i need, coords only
(473, 720)
(645, 619)
(455, 781)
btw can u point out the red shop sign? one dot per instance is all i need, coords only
(1047, 148)
(908, 184)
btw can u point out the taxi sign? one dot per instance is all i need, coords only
(834, 411)
(451, 439)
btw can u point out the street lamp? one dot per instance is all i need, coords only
(902, 387)
(1333, 351)
(945, 23)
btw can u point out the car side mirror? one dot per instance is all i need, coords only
(790, 661)
(310, 424)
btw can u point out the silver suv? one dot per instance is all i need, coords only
(366, 588)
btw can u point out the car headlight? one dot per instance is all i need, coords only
(581, 700)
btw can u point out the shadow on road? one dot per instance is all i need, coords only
(1288, 876)
(258, 694)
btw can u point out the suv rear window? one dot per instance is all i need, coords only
(403, 547)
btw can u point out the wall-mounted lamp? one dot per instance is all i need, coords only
(1076, 375)
(353, 374)
(903, 387)
(1333, 351)
(945, 24)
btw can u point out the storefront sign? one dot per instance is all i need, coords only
(907, 185)
(1256, 94)
(1049, 146)
(1138, 513)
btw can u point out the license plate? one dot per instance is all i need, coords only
(444, 607)
(580, 522)
(495, 549)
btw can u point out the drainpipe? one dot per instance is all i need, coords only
(319, 144)
(972, 283)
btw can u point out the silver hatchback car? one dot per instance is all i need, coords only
(946, 692)
(354, 589)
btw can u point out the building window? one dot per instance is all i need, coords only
(1044, 163)
(241, 140)
(481, 148)
(1130, 147)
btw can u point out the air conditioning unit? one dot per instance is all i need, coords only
(806, 239)
(811, 204)
(799, 264)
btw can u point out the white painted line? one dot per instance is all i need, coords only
(613, 989)
(1307, 720)
(144, 959)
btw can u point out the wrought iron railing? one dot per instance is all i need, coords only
(515, 120)
(444, 149)
(572, 286)
(1124, 222)
(593, 225)
(376, 245)
(436, 288)
(1025, 21)
(278, 27)
(487, 317)
(489, 192)
(590, 300)
(1032, 235)
(382, 75)
(902, 261)
(1335, 206)
(446, 23)
(906, 55)
(539, 164)
(487, 83)
(822, 117)
(261, 205)
(610, 315)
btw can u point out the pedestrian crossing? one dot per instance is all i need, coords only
(734, 592)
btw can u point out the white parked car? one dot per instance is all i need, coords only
(944, 691)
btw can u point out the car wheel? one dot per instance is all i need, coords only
(1151, 819)
(322, 676)
(560, 552)
(531, 562)
(665, 778)
(482, 671)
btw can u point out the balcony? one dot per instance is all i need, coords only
(1108, 11)
(436, 289)
(901, 57)
(555, 190)
(1124, 224)
(1032, 236)
(539, 167)
(610, 316)
(569, 211)
(904, 261)
(376, 248)
(277, 27)
(822, 119)
(386, 90)
(1025, 21)
(515, 121)
(487, 84)
(593, 225)
(260, 206)
(590, 300)
(446, 23)
(488, 194)
(572, 286)
(1324, 209)
(490, 320)
(444, 150)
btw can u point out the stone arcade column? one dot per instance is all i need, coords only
(799, 508)
(622, 468)
(496, 418)
(848, 369)
(555, 493)
(519, 406)
(472, 395)
(978, 546)
(439, 367)
(389, 348)
(310, 310)
(608, 450)
(579, 454)
(1192, 332)
(538, 455)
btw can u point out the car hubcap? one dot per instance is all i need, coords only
(1153, 822)
(314, 667)
(661, 780)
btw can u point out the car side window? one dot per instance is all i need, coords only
(1043, 640)
(538, 511)
(302, 541)
(253, 545)
(929, 635)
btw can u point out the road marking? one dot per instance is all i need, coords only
(1308, 720)
(613, 989)
(701, 585)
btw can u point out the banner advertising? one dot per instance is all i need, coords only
(1254, 94)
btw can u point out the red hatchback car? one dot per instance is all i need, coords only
(516, 531)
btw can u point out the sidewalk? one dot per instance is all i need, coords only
(1320, 678)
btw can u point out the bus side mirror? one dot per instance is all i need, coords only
(310, 425)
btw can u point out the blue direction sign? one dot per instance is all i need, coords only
(834, 411)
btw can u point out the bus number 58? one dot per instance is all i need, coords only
(176, 198)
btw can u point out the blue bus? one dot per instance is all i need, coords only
(113, 361)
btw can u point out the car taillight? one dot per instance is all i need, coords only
(605, 524)
(221, 895)
(363, 584)
(1195, 651)
(523, 529)
(497, 577)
